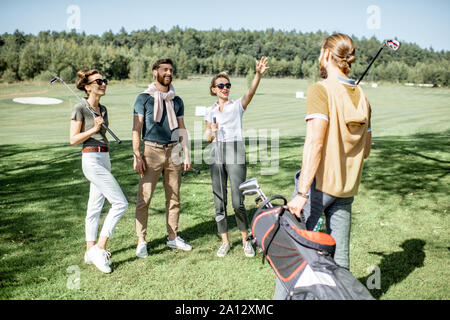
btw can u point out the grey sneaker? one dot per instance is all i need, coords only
(223, 249)
(141, 250)
(248, 249)
(178, 243)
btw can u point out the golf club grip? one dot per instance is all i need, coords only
(111, 133)
(103, 125)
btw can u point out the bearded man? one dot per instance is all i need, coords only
(158, 120)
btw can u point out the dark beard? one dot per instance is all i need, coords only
(162, 81)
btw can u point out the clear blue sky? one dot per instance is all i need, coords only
(425, 23)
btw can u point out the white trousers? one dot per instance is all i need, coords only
(97, 169)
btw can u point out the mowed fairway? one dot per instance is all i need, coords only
(400, 217)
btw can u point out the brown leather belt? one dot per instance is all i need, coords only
(96, 149)
(159, 145)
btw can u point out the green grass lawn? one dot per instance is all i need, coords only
(400, 216)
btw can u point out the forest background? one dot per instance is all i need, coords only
(130, 55)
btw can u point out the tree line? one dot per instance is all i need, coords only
(130, 55)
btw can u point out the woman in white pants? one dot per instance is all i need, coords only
(86, 129)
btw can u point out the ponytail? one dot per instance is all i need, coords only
(342, 51)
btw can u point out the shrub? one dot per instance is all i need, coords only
(9, 76)
(45, 76)
(68, 74)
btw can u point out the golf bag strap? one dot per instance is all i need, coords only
(271, 235)
(263, 205)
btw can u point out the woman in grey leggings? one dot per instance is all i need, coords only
(224, 128)
(86, 129)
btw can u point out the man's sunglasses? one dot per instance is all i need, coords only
(223, 85)
(99, 81)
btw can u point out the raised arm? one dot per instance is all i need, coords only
(261, 67)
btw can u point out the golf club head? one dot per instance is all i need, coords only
(54, 80)
(249, 184)
(392, 44)
(250, 192)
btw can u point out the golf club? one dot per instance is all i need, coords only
(251, 187)
(55, 79)
(258, 199)
(249, 184)
(195, 171)
(250, 192)
(392, 44)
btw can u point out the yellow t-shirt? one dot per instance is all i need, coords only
(340, 167)
(317, 100)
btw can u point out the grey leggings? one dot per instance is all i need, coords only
(229, 163)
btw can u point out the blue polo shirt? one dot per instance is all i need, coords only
(153, 131)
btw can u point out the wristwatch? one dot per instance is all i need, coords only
(303, 195)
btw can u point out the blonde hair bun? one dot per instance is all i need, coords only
(342, 50)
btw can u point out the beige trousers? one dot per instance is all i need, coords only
(158, 161)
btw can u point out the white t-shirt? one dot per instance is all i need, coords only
(229, 120)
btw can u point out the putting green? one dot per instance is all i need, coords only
(37, 100)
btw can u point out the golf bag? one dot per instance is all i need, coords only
(302, 259)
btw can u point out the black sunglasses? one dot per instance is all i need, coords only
(99, 81)
(223, 85)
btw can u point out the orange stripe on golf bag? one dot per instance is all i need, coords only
(318, 237)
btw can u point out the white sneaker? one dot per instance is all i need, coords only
(141, 250)
(248, 249)
(223, 249)
(178, 243)
(88, 260)
(100, 258)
